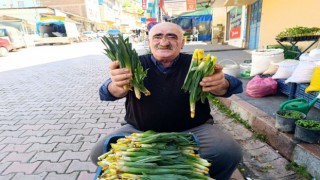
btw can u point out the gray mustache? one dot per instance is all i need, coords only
(164, 47)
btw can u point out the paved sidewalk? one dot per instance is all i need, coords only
(51, 116)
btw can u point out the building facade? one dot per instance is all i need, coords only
(255, 24)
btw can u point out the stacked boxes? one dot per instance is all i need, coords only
(300, 93)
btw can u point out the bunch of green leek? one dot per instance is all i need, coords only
(121, 50)
(200, 67)
(154, 156)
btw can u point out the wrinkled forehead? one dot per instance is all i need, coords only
(166, 28)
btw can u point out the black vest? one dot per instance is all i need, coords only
(167, 108)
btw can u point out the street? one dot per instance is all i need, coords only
(50, 111)
(32, 56)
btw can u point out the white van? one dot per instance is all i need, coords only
(13, 35)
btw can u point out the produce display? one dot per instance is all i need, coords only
(200, 67)
(154, 156)
(121, 50)
(299, 33)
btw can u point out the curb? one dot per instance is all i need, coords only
(303, 154)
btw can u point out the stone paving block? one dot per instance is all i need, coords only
(88, 107)
(4, 165)
(117, 115)
(267, 156)
(64, 139)
(107, 120)
(48, 147)
(84, 175)
(18, 157)
(54, 108)
(96, 125)
(21, 176)
(11, 133)
(66, 121)
(59, 116)
(79, 131)
(53, 112)
(3, 155)
(35, 139)
(81, 138)
(77, 125)
(56, 132)
(87, 145)
(77, 165)
(99, 131)
(77, 112)
(68, 146)
(33, 133)
(13, 140)
(69, 116)
(112, 111)
(71, 155)
(2, 145)
(17, 167)
(20, 148)
(58, 167)
(27, 121)
(55, 176)
(52, 126)
(279, 168)
(113, 125)
(87, 120)
(39, 112)
(6, 177)
(82, 116)
(31, 127)
(241, 132)
(96, 111)
(253, 144)
(14, 127)
(47, 156)
(49, 121)
(7, 122)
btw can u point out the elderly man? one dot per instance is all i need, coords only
(167, 108)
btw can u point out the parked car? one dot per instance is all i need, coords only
(14, 36)
(5, 47)
(114, 32)
(83, 37)
(101, 33)
(90, 34)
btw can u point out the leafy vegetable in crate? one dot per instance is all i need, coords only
(121, 50)
(152, 155)
(200, 67)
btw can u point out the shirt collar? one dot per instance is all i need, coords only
(160, 66)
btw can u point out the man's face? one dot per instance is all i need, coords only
(165, 41)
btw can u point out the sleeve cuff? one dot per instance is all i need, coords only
(105, 95)
(235, 86)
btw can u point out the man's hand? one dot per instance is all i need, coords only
(215, 83)
(119, 78)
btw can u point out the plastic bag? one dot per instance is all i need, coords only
(261, 86)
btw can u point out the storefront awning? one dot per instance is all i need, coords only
(238, 2)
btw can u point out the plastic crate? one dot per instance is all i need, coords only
(300, 93)
(113, 139)
(288, 89)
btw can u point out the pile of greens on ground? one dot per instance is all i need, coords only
(154, 156)
(121, 50)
